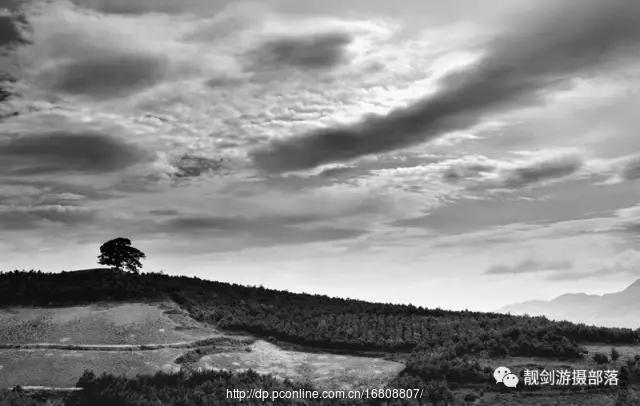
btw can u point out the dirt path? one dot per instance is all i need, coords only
(48, 389)
(127, 347)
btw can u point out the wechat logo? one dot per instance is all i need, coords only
(504, 375)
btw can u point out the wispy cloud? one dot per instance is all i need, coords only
(21, 218)
(529, 266)
(626, 262)
(238, 233)
(479, 172)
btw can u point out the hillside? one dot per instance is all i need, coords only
(53, 346)
(315, 320)
(450, 353)
(618, 309)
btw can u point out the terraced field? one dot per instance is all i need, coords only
(58, 344)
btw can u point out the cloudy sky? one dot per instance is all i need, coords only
(459, 154)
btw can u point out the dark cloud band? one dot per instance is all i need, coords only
(323, 50)
(133, 7)
(110, 75)
(518, 68)
(542, 171)
(67, 152)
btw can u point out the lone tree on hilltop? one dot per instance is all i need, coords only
(119, 254)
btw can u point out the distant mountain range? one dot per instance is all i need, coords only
(619, 309)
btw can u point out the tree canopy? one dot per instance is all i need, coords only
(120, 254)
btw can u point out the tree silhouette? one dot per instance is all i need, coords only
(600, 358)
(614, 354)
(120, 254)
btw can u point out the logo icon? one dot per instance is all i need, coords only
(500, 373)
(510, 380)
(504, 375)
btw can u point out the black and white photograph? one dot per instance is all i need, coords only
(336, 202)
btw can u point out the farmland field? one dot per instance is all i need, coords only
(148, 323)
(321, 370)
(130, 323)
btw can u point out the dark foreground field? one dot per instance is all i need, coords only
(449, 356)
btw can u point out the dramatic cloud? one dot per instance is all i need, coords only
(110, 75)
(191, 166)
(67, 152)
(121, 112)
(529, 266)
(518, 68)
(321, 50)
